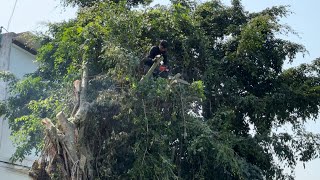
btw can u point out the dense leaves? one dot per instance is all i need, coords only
(89, 3)
(222, 126)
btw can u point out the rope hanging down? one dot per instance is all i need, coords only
(14, 8)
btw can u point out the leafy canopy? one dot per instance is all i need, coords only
(232, 58)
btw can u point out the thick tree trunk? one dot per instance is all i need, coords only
(63, 156)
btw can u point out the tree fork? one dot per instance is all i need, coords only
(66, 157)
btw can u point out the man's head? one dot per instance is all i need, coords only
(163, 45)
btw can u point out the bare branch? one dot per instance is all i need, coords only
(149, 73)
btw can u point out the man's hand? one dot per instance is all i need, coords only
(155, 58)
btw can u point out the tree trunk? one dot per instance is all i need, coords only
(63, 156)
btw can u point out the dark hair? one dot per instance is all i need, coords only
(164, 43)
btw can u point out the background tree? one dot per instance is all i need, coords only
(90, 3)
(220, 126)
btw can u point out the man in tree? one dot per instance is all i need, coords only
(155, 51)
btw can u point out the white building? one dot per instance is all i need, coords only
(17, 55)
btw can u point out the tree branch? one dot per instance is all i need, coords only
(84, 105)
(149, 73)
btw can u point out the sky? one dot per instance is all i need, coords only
(32, 15)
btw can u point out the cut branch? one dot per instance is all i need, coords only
(84, 82)
(66, 126)
(157, 60)
(81, 114)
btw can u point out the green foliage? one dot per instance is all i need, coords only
(90, 3)
(7, 76)
(153, 130)
(31, 99)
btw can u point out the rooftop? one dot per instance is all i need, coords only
(27, 41)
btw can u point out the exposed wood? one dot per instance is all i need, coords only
(157, 60)
(62, 152)
(84, 105)
(176, 79)
(76, 92)
(66, 126)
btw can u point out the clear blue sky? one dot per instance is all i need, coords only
(30, 15)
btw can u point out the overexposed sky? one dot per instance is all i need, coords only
(30, 15)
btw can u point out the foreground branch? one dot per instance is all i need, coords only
(158, 59)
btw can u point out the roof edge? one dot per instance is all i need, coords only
(25, 47)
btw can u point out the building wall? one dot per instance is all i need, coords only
(19, 62)
(5, 49)
(11, 172)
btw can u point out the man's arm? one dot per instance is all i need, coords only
(153, 52)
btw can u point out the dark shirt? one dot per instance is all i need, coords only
(155, 50)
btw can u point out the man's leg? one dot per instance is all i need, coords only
(164, 74)
(146, 69)
(156, 72)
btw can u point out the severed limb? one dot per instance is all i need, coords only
(176, 79)
(157, 60)
(76, 92)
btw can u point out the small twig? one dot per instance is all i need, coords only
(57, 145)
(144, 154)
(145, 114)
(183, 115)
(66, 161)
(74, 169)
(66, 149)
(78, 177)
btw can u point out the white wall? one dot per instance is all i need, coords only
(5, 50)
(19, 62)
(9, 172)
